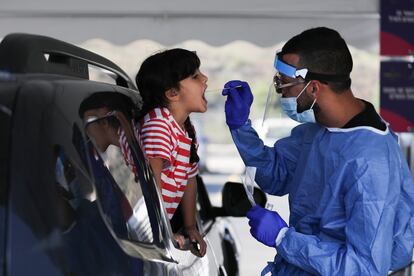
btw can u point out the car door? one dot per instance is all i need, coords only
(6, 104)
(54, 222)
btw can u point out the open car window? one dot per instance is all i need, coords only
(124, 185)
(119, 193)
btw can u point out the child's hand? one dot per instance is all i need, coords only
(200, 246)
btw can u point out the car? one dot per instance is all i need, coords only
(202, 141)
(272, 129)
(68, 208)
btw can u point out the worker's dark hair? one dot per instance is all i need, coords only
(323, 51)
(113, 101)
(161, 72)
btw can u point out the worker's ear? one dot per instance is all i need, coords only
(172, 95)
(315, 88)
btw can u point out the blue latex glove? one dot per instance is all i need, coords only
(265, 225)
(239, 100)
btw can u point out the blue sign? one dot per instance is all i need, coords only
(397, 95)
(397, 27)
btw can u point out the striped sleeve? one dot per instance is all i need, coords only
(193, 171)
(156, 139)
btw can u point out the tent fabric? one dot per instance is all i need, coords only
(261, 22)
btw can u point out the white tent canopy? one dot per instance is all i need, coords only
(215, 22)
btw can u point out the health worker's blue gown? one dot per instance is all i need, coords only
(351, 198)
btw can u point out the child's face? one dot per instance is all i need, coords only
(192, 91)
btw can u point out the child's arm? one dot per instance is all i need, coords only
(158, 153)
(188, 203)
(156, 166)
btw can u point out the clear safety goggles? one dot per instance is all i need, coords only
(92, 119)
(284, 69)
(279, 84)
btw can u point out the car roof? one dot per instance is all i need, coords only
(27, 53)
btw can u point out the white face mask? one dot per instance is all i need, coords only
(290, 105)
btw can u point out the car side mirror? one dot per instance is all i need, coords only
(235, 202)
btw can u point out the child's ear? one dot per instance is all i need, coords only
(172, 94)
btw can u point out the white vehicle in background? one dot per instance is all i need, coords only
(272, 129)
(202, 144)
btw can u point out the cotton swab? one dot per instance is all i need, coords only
(220, 89)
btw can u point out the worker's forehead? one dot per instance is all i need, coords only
(291, 59)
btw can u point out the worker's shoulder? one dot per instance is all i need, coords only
(306, 131)
(369, 143)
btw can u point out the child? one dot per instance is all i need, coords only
(172, 86)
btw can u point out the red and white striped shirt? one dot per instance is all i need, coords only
(161, 137)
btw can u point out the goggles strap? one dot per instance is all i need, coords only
(292, 72)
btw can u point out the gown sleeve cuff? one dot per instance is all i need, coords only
(281, 235)
(246, 125)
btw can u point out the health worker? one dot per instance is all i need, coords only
(351, 194)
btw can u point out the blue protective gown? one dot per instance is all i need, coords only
(351, 198)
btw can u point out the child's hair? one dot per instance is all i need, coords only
(113, 101)
(161, 72)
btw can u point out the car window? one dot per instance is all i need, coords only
(79, 218)
(119, 193)
(57, 227)
(69, 189)
(125, 188)
(54, 223)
